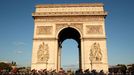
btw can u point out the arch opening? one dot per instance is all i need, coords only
(69, 55)
(68, 33)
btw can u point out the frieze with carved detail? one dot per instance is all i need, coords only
(79, 26)
(70, 19)
(94, 29)
(44, 30)
(101, 13)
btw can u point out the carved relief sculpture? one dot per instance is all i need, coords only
(45, 30)
(43, 53)
(70, 19)
(94, 29)
(95, 52)
(76, 25)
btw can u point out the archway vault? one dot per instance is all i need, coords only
(76, 26)
(68, 33)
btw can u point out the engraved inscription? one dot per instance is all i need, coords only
(94, 29)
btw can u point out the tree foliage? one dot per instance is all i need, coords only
(5, 66)
(131, 68)
(122, 68)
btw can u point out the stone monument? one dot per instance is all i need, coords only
(85, 23)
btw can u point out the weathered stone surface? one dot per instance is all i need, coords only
(87, 19)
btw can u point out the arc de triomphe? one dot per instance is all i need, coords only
(85, 23)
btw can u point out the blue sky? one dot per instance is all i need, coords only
(16, 31)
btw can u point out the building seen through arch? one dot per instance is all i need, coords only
(54, 23)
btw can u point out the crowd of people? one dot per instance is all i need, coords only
(61, 72)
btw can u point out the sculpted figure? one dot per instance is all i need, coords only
(41, 30)
(43, 53)
(95, 52)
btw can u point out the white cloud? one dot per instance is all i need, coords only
(19, 47)
(19, 52)
(19, 43)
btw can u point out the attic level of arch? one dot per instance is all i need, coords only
(70, 5)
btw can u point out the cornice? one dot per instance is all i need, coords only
(70, 5)
(68, 18)
(103, 13)
(92, 38)
(49, 38)
(84, 38)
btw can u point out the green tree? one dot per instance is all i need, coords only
(122, 68)
(130, 69)
(5, 66)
